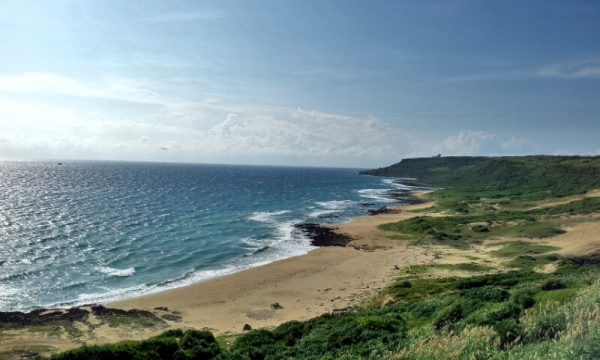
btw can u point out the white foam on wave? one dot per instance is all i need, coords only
(7, 295)
(397, 185)
(336, 204)
(108, 296)
(319, 213)
(285, 243)
(266, 216)
(375, 194)
(116, 272)
(252, 242)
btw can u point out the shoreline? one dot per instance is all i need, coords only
(326, 279)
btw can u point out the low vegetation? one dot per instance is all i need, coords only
(506, 315)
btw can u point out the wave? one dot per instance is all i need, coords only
(376, 194)
(6, 294)
(116, 272)
(285, 243)
(266, 216)
(323, 214)
(336, 204)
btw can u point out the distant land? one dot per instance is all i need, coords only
(532, 177)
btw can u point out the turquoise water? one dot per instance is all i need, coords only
(93, 232)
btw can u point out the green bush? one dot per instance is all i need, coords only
(502, 311)
(552, 284)
(427, 308)
(480, 228)
(508, 330)
(547, 326)
(486, 293)
(403, 284)
(523, 298)
(256, 344)
(449, 315)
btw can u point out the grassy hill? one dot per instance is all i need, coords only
(524, 178)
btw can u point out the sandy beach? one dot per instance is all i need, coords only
(324, 280)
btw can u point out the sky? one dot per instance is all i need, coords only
(310, 83)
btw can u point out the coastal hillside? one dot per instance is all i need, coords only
(526, 177)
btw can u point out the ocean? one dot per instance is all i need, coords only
(92, 232)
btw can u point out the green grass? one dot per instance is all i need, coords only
(480, 317)
(560, 295)
(471, 267)
(15, 352)
(510, 179)
(132, 322)
(520, 248)
(529, 262)
(459, 231)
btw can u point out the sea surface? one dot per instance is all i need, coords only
(93, 232)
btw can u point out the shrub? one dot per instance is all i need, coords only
(450, 315)
(486, 293)
(503, 311)
(480, 228)
(403, 284)
(547, 326)
(289, 332)
(254, 344)
(552, 284)
(426, 308)
(524, 298)
(164, 346)
(508, 330)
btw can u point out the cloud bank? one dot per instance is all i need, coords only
(170, 129)
(54, 117)
(465, 143)
(583, 69)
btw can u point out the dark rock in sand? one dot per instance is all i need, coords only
(43, 316)
(328, 216)
(321, 235)
(247, 327)
(171, 317)
(381, 210)
(100, 310)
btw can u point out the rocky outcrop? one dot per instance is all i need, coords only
(43, 317)
(321, 235)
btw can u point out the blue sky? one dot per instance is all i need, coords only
(324, 83)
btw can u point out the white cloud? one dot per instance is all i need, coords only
(465, 143)
(583, 69)
(55, 116)
(515, 144)
(52, 84)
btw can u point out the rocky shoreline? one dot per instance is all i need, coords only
(321, 235)
(40, 317)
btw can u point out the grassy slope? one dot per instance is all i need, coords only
(489, 312)
(523, 178)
